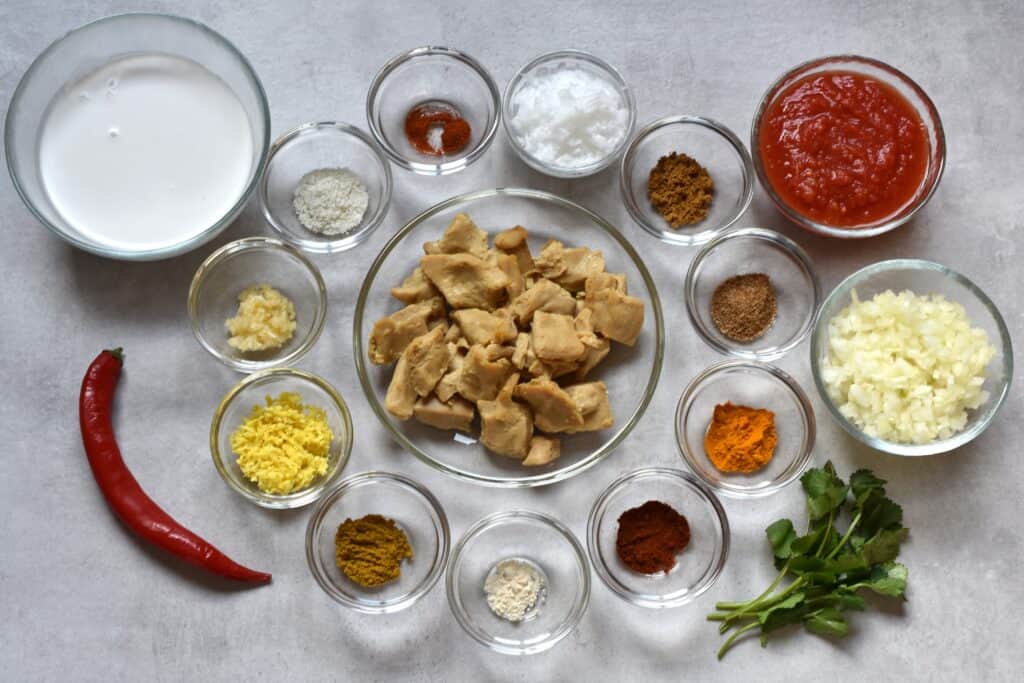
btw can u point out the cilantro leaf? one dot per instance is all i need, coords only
(863, 482)
(787, 604)
(883, 546)
(886, 579)
(825, 491)
(781, 536)
(827, 621)
(876, 513)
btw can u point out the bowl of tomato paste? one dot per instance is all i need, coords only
(847, 146)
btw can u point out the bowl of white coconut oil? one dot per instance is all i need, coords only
(138, 136)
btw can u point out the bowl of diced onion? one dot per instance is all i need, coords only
(911, 358)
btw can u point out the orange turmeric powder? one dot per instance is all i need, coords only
(740, 439)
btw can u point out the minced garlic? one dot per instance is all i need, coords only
(283, 446)
(265, 320)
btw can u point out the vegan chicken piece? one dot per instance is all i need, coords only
(506, 426)
(466, 281)
(415, 288)
(568, 267)
(401, 396)
(508, 265)
(554, 338)
(448, 386)
(554, 410)
(594, 355)
(617, 316)
(543, 450)
(513, 241)
(592, 400)
(482, 327)
(428, 357)
(453, 415)
(461, 237)
(546, 296)
(392, 334)
(481, 379)
(598, 281)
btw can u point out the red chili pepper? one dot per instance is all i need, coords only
(124, 495)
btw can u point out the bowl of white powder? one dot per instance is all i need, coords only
(568, 113)
(327, 186)
(138, 136)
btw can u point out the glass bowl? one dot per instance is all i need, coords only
(755, 250)
(631, 374)
(883, 73)
(432, 74)
(87, 48)
(313, 146)
(213, 298)
(557, 61)
(252, 391)
(412, 507)
(697, 566)
(547, 545)
(758, 385)
(714, 147)
(920, 277)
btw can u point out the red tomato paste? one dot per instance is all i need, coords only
(843, 149)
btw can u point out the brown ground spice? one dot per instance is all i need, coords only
(680, 189)
(370, 550)
(743, 307)
(650, 537)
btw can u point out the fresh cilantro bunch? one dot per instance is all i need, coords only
(828, 568)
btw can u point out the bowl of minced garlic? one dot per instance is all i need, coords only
(280, 437)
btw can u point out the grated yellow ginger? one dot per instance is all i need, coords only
(265, 320)
(283, 446)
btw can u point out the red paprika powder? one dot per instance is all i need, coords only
(650, 537)
(436, 128)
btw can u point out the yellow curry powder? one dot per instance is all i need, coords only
(740, 439)
(370, 550)
(283, 446)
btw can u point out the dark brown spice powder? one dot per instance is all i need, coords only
(650, 537)
(680, 189)
(743, 307)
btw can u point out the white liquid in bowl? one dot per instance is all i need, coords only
(146, 152)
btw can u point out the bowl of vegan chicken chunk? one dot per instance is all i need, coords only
(509, 337)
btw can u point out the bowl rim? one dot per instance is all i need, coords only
(492, 521)
(161, 252)
(560, 171)
(668, 235)
(346, 240)
(800, 462)
(599, 508)
(443, 167)
(304, 496)
(438, 564)
(237, 247)
(777, 239)
(532, 480)
(849, 232)
(998, 398)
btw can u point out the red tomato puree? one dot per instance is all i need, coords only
(843, 149)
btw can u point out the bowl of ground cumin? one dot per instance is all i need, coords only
(752, 293)
(746, 428)
(686, 179)
(658, 537)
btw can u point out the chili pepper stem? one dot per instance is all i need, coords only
(117, 353)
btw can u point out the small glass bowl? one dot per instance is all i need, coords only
(920, 277)
(253, 391)
(698, 565)
(710, 144)
(412, 507)
(757, 385)
(432, 74)
(545, 543)
(213, 298)
(883, 73)
(755, 250)
(313, 146)
(557, 61)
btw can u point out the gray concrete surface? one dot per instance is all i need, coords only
(81, 600)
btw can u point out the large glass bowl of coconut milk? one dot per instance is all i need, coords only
(138, 136)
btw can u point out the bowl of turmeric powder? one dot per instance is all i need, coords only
(745, 427)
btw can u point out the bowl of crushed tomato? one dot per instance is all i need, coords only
(847, 146)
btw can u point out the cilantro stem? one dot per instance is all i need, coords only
(732, 639)
(846, 537)
(828, 532)
(741, 605)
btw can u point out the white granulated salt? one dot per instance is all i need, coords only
(569, 118)
(330, 201)
(512, 589)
